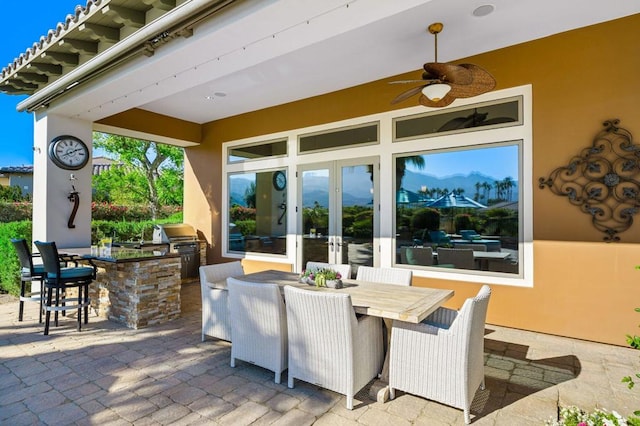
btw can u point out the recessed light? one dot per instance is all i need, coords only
(483, 10)
(220, 94)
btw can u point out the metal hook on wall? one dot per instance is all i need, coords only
(74, 197)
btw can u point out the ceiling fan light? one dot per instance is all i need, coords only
(437, 91)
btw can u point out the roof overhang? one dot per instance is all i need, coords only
(179, 60)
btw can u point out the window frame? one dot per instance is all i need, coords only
(386, 149)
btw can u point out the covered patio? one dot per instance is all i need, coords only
(216, 77)
(164, 375)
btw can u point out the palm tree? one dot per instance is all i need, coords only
(508, 185)
(401, 166)
(486, 186)
(476, 196)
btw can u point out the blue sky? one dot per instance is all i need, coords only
(28, 22)
(497, 162)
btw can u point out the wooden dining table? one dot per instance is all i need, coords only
(387, 301)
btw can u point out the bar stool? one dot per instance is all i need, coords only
(28, 274)
(58, 279)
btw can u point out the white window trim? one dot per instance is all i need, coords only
(386, 150)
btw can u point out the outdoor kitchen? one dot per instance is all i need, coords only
(138, 284)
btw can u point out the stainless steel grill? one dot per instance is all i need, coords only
(182, 238)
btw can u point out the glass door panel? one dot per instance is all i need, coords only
(338, 218)
(356, 215)
(315, 183)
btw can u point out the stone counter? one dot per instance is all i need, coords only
(137, 289)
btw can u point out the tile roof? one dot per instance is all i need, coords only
(16, 169)
(89, 31)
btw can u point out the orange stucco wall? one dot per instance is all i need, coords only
(153, 123)
(583, 287)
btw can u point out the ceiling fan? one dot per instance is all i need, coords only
(442, 83)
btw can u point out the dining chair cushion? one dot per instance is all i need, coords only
(37, 269)
(77, 272)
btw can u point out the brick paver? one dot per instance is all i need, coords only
(164, 374)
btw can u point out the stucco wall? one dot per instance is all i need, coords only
(583, 287)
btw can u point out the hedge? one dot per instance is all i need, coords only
(122, 230)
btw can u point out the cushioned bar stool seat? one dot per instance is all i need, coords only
(58, 279)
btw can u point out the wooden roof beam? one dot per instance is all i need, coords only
(59, 58)
(44, 68)
(101, 32)
(79, 46)
(17, 86)
(31, 77)
(125, 16)
(161, 4)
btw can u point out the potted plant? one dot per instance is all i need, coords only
(327, 277)
(308, 276)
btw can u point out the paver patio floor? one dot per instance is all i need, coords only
(111, 375)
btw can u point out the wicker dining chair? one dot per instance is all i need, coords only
(328, 345)
(422, 256)
(344, 270)
(215, 298)
(258, 325)
(458, 258)
(384, 275)
(442, 358)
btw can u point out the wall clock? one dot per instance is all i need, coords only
(68, 152)
(279, 180)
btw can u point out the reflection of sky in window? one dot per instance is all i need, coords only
(247, 176)
(497, 162)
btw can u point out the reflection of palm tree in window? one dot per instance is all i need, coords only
(401, 166)
(250, 195)
(508, 185)
(474, 120)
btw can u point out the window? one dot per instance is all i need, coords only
(459, 208)
(457, 178)
(257, 151)
(341, 138)
(483, 116)
(257, 212)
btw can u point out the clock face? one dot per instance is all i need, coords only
(279, 180)
(68, 152)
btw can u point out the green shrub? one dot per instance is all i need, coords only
(15, 212)
(463, 221)
(9, 264)
(246, 227)
(133, 213)
(426, 218)
(18, 211)
(128, 231)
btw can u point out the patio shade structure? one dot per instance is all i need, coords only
(451, 200)
(404, 196)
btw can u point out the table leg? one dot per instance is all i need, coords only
(380, 389)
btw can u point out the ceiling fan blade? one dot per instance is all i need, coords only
(413, 81)
(449, 73)
(482, 82)
(441, 103)
(407, 94)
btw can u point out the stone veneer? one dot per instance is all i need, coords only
(137, 293)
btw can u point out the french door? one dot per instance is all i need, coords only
(338, 213)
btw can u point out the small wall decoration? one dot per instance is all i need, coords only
(603, 180)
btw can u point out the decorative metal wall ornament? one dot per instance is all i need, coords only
(603, 180)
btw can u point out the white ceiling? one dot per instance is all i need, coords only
(264, 53)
